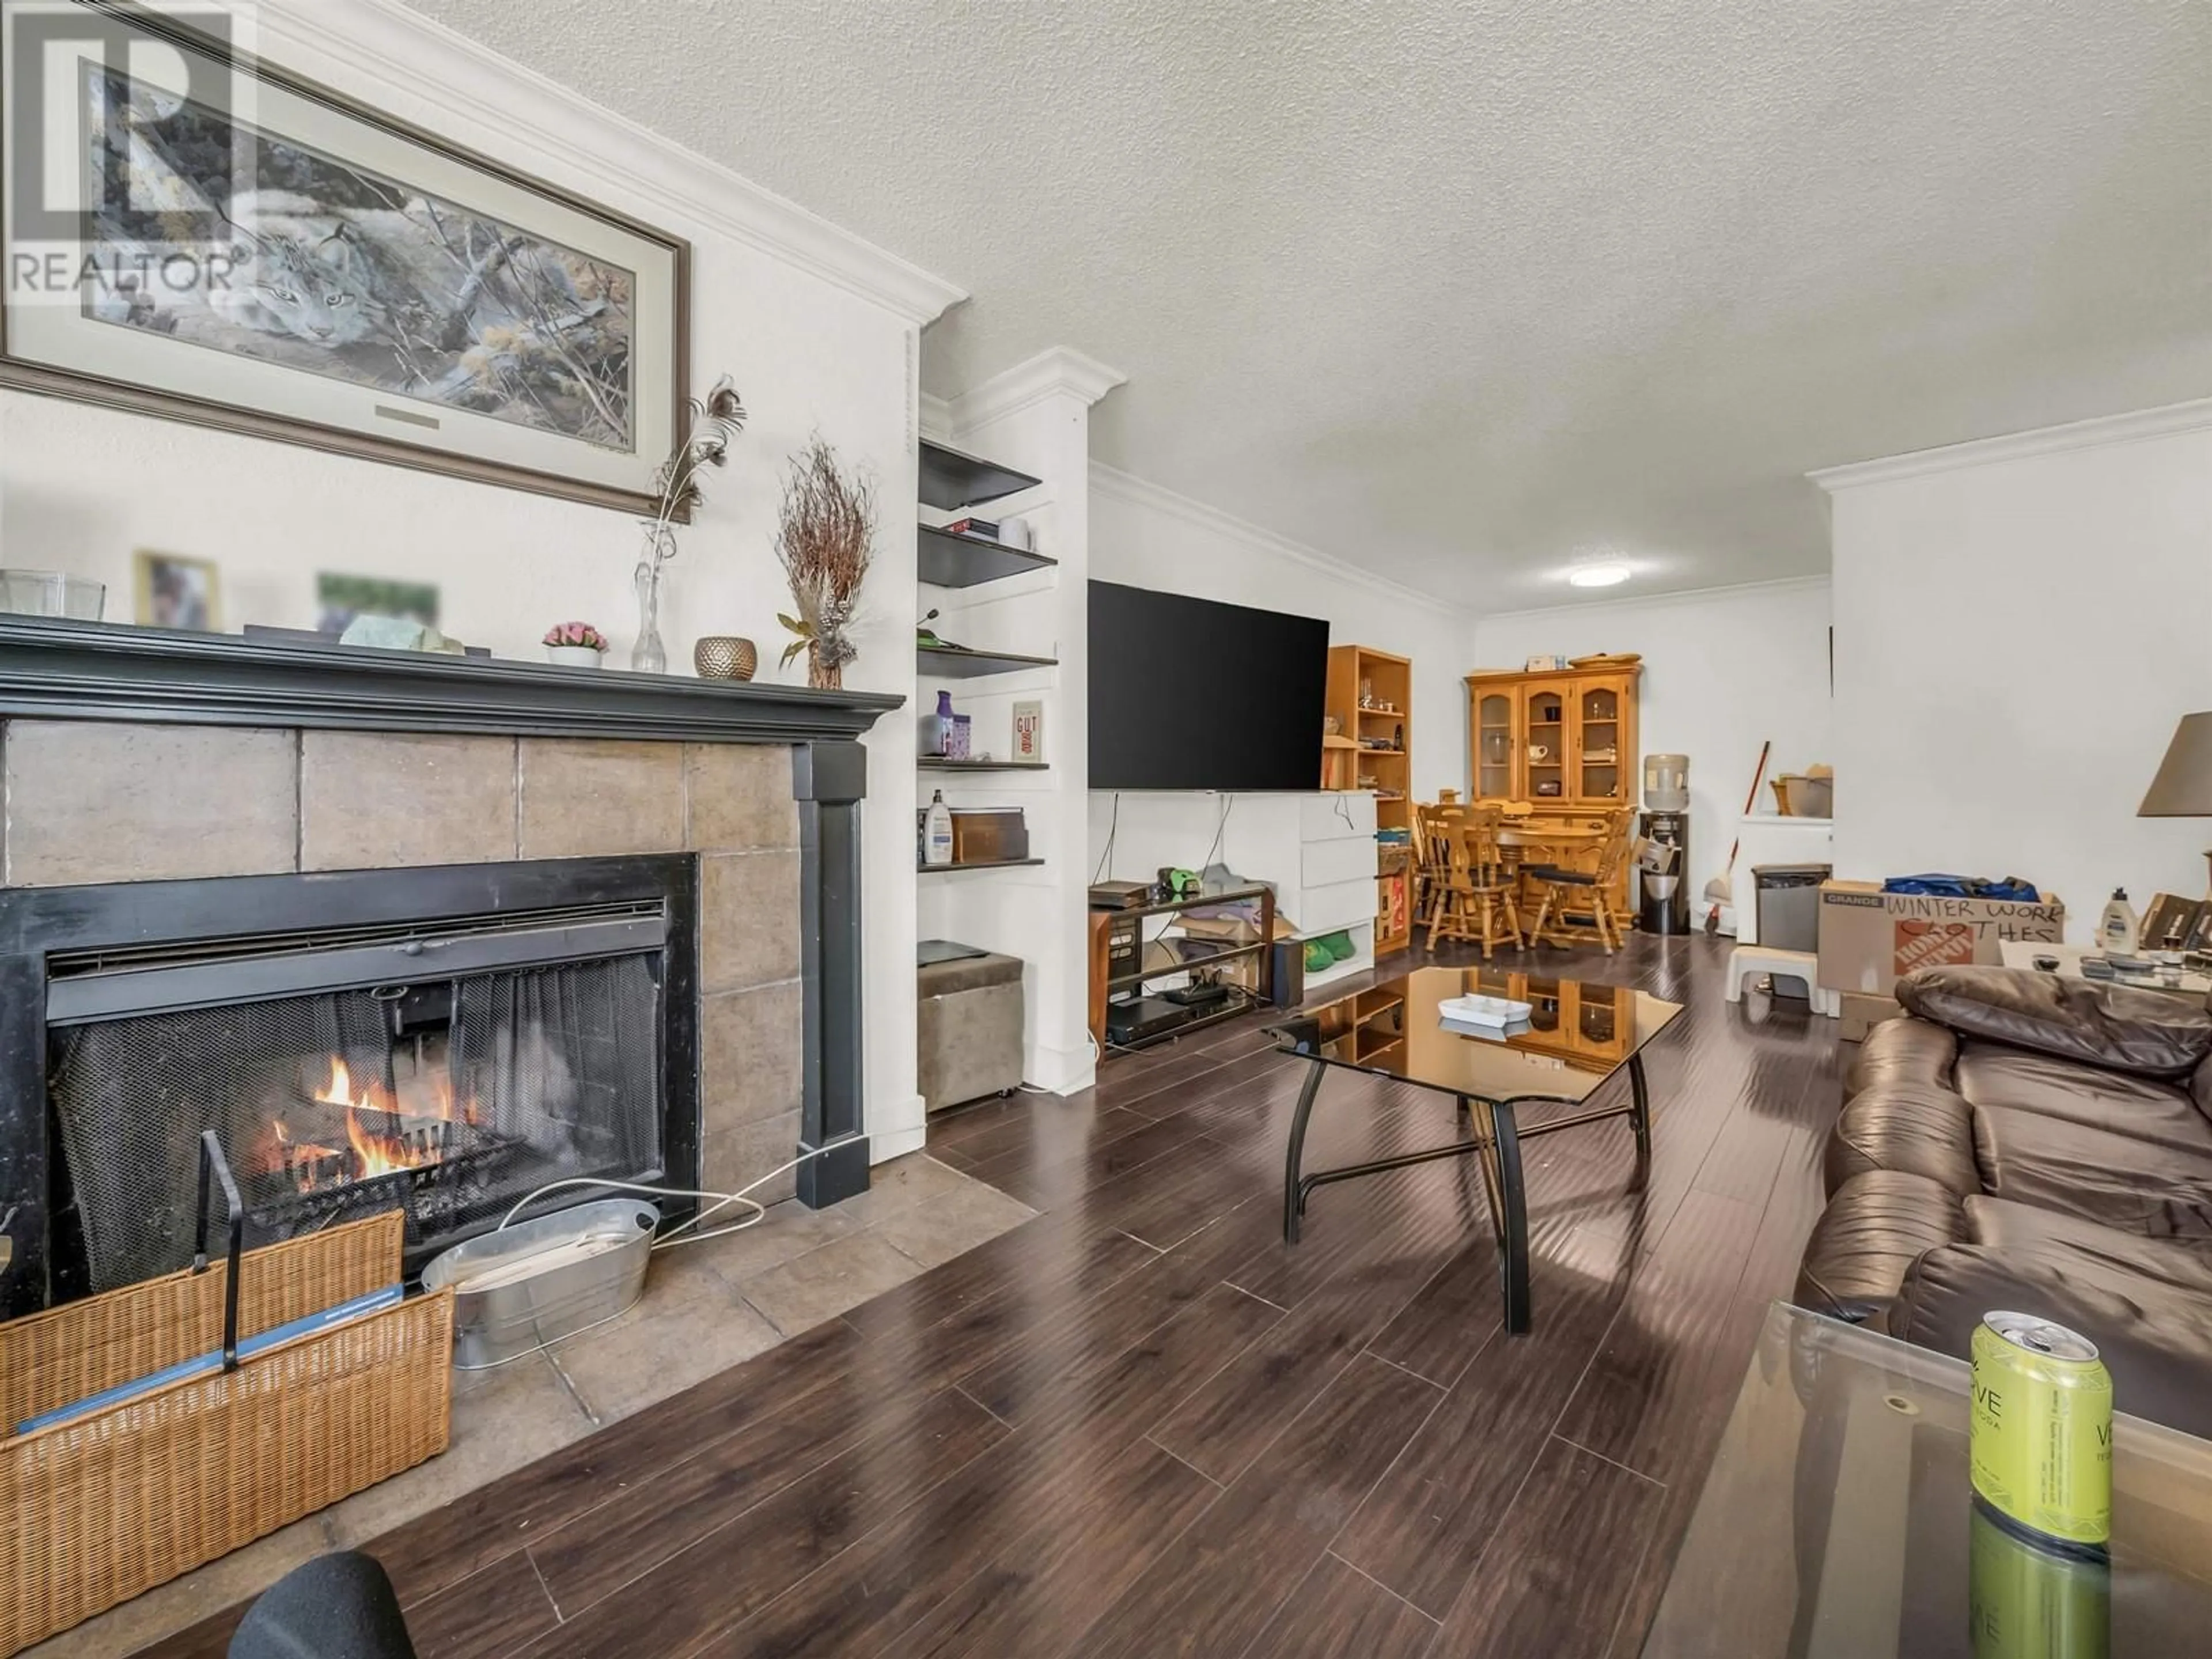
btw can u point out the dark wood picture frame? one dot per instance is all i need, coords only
(2172, 924)
(47, 380)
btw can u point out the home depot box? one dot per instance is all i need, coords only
(1861, 1014)
(1868, 937)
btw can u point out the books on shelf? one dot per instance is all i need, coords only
(986, 529)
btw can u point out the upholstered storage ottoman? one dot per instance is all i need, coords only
(970, 1029)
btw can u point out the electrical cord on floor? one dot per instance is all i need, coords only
(673, 1236)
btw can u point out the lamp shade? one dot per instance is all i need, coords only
(2183, 787)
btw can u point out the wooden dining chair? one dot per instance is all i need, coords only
(1429, 866)
(1571, 895)
(1476, 887)
(1416, 868)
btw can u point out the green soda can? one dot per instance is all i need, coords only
(2039, 1440)
(2027, 1600)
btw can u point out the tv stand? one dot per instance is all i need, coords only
(1316, 848)
(1114, 988)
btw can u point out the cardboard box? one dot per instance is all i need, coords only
(1861, 1014)
(1868, 938)
(1223, 931)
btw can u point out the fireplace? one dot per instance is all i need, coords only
(444, 1040)
(188, 805)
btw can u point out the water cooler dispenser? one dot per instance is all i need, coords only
(1663, 904)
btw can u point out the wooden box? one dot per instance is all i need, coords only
(989, 835)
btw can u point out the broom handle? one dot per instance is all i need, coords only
(1750, 801)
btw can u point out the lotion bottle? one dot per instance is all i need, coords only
(937, 832)
(2116, 929)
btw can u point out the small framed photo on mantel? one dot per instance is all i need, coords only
(171, 590)
(193, 233)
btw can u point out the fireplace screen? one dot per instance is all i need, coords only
(449, 1097)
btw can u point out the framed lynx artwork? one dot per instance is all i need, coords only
(208, 238)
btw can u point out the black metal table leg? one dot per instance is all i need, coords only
(1513, 1236)
(1307, 1090)
(1639, 1119)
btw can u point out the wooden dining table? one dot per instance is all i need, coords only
(1566, 835)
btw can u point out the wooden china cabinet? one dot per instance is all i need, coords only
(1557, 749)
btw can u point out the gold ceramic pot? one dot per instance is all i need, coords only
(725, 657)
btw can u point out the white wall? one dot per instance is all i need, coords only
(1725, 670)
(1143, 536)
(2019, 624)
(818, 328)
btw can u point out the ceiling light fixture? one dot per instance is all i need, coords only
(1610, 573)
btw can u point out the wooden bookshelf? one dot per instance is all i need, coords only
(1371, 695)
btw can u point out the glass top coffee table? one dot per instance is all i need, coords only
(1576, 1038)
(1838, 1521)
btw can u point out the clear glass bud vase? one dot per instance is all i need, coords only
(648, 655)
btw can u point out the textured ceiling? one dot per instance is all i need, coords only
(1464, 292)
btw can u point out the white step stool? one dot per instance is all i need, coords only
(1748, 959)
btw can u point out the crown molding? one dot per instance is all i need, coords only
(1673, 596)
(1056, 369)
(936, 418)
(2132, 427)
(1121, 486)
(390, 58)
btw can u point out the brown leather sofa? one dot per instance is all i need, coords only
(2027, 1142)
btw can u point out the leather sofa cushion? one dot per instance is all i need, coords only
(2155, 1337)
(2005, 1226)
(2141, 1107)
(2118, 1026)
(2114, 1179)
(1902, 1051)
(1874, 1228)
(1921, 1129)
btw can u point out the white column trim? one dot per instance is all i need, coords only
(1057, 369)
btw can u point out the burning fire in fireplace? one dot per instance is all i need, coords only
(384, 1129)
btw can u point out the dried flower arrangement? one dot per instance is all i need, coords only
(824, 543)
(575, 634)
(715, 419)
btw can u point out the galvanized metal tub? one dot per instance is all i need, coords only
(524, 1287)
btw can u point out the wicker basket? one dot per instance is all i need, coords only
(105, 1505)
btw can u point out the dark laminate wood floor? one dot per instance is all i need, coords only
(1142, 1425)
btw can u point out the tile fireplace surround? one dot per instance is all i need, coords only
(134, 755)
(140, 754)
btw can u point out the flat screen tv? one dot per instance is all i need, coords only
(1188, 694)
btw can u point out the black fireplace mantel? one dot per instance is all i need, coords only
(82, 671)
(61, 670)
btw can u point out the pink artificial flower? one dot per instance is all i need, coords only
(576, 633)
